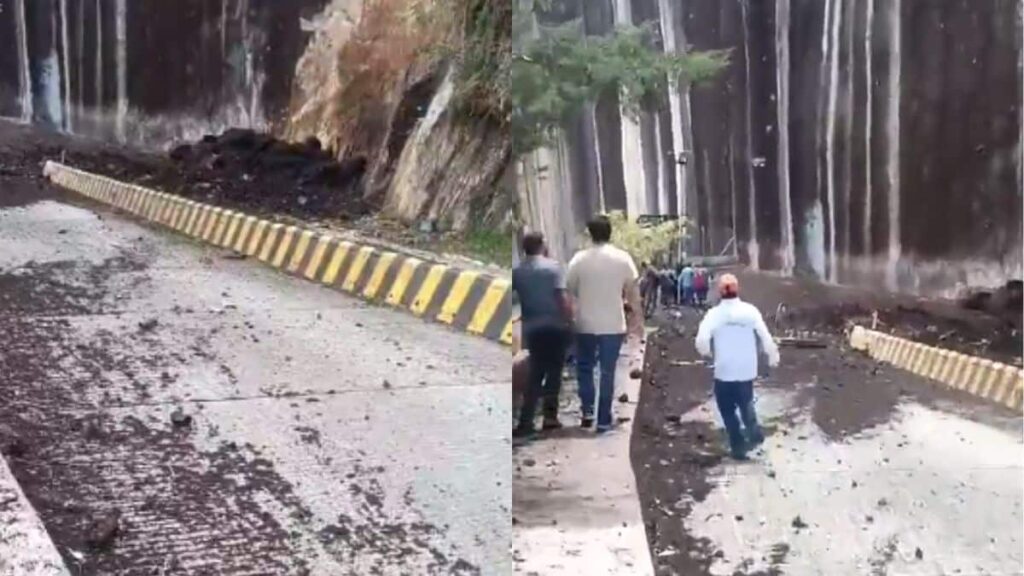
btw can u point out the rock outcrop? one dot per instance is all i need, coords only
(387, 87)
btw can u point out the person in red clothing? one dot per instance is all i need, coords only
(700, 286)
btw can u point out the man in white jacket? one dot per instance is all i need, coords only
(729, 333)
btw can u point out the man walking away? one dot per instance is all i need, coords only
(600, 278)
(540, 285)
(644, 282)
(686, 285)
(729, 334)
(649, 289)
(700, 286)
(668, 287)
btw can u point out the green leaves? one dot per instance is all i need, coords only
(554, 75)
(482, 82)
(535, 79)
(645, 243)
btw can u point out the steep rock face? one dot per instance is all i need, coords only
(148, 72)
(873, 142)
(447, 165)
(318, 83)
(355, 73)
(390, 96)
(360, 75)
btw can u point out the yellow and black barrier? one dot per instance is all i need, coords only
(1000, 383)
(466, 300)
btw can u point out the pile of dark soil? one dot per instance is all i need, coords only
(994, 331)
(239, 169)
(245, 168)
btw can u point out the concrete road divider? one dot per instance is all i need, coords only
(1000, 383)
(467, 300)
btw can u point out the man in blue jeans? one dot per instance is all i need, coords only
(686, 285)
(729, 333)
(600, 278)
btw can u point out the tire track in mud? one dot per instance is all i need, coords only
(179, 509)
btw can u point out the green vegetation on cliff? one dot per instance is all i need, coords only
(486, 57)
(476, 38)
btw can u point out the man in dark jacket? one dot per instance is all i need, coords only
(539, 282)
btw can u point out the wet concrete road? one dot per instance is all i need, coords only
(326, 436)
(867, 469)
(930, 492)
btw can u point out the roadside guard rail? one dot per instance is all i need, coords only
(994, 381)
(466, 300)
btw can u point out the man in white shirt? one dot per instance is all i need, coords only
(600, 278)
(729, 333)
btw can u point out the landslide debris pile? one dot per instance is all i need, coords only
(249, 169)
(239, 169)
(986, 324)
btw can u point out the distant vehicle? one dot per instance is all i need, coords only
(655, 219)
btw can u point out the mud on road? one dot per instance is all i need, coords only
(169, 410)
(679, 461)
(125, 487)
(82, 466)
(994, 332)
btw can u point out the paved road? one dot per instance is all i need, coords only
(326, 436)
(866, 470)
(930, 492)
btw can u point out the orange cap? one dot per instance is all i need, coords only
(728, 285)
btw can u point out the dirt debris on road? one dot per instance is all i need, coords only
(94, 489)
(124, 492)
(843, 393)
(239, 169)
(180, 419)
(795, 305)
(97, 381)
(103, 529)
(11, 444)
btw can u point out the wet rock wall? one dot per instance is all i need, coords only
(150, 71)
(398, 103)
(346, 71)
(873, 142)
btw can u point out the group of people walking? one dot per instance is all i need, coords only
(686, 285)
(586, 306)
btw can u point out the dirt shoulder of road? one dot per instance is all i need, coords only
(995, 334)
(844, 393)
